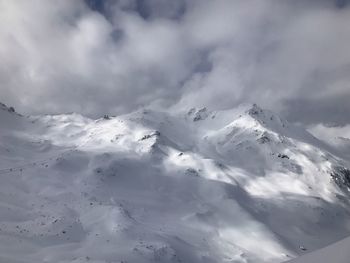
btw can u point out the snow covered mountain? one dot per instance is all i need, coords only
(241, 185)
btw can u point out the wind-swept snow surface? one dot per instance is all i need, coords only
(241, 185)
(335, 253)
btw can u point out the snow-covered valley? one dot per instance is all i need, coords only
(241, 185)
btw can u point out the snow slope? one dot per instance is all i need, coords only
(338, 253)
(241, 185)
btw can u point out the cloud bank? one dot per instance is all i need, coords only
(97, 57)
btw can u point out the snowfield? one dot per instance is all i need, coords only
(338, 252)
(241, 185)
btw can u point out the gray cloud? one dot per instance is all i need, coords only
(98, 57)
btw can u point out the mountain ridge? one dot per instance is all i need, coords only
(196, 186)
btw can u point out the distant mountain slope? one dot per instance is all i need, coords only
(241, 185)
(338, 137)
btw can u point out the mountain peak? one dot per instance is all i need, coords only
(267, 118)
(198, 114)
(255, 110)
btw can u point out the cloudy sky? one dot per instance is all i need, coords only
(114, 56)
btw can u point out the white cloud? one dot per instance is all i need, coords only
(58, 56)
